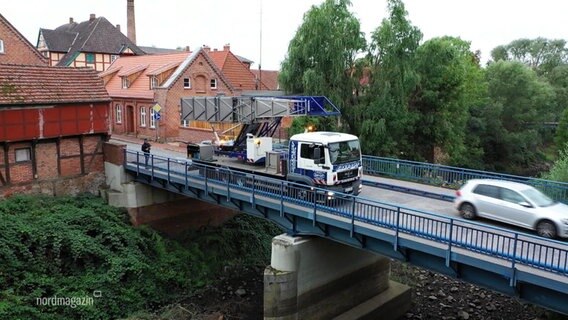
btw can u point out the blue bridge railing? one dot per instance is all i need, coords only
(501, 243)
(452, 177)
(516, 261)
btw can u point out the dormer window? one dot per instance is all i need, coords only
(125, 83)
(1, 46)
(213, 83)
(154, 82)
(90, 57)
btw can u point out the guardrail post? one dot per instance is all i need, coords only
(169, 171)
(186, 178)
(353, 216)
(449, 252)
(513, 281)
(396, 230)
(281, 198)
(252, 200)
(228, 185)
(206, 172)
(152, 162)
(137, 161)
(315, 206)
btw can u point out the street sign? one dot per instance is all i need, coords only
(157, 116)
(157, 107)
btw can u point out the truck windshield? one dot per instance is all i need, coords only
(346, 151)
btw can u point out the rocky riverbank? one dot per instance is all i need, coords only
(238, 295)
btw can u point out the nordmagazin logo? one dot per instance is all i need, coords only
(72, 302)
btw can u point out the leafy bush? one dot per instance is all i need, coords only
(78, 247)
(559, 171)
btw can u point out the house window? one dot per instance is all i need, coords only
(90, 57)
(153, 82)
(23, 154)
(152, 118)
(1, 46)
(113, 57)
(184, 123)
(118, 114)
(186, 83)
(142, 116)
(125, 83)
(213, 83)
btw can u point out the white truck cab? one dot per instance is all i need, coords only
(329, 160)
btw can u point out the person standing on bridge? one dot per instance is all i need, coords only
(146, 149)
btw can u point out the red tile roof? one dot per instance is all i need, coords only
(141, 87)
(33, 85)
(236, 72)
(269, 79)
(132, 70)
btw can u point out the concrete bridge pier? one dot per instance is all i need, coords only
(316, 278)
(164, 211)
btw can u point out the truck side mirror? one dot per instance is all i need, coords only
(317, 155)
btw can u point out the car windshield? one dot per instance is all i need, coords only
(538, 198)
(343, 152)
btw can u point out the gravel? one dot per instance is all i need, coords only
(238, 295)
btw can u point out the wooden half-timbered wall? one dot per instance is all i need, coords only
(50, 159)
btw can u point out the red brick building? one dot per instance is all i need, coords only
(136, 84)
(15, 49)
(53, 122)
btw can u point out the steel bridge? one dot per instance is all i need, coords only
(514, 263)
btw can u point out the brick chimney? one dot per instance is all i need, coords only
(92, 17)
(187, 48)
(227, 47)
(70, 20)
(118, 27)
(130, 23)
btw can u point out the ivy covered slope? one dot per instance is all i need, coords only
(82, 248)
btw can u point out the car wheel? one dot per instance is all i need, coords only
(546, 229)
(467, 211)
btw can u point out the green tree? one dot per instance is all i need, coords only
(519, 102)
(322, 53)
(540, 54)
(561, 138)
(385, 120)
(558, 78)
(447, 69)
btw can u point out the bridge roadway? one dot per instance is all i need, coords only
(510, 262)
(374, 193)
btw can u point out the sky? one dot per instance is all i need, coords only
(261, 30)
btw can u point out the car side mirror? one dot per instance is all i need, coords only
(525, 204)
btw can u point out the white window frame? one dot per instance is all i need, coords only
(143, 116)
(125, 83)
(213, 83)
(188, 86)
(2, 46)
(154, 82)
(118, 113)
(26, 153)
(152, 119)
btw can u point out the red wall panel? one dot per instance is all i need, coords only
(38, 123)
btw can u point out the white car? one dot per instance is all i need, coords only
(513, 203)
